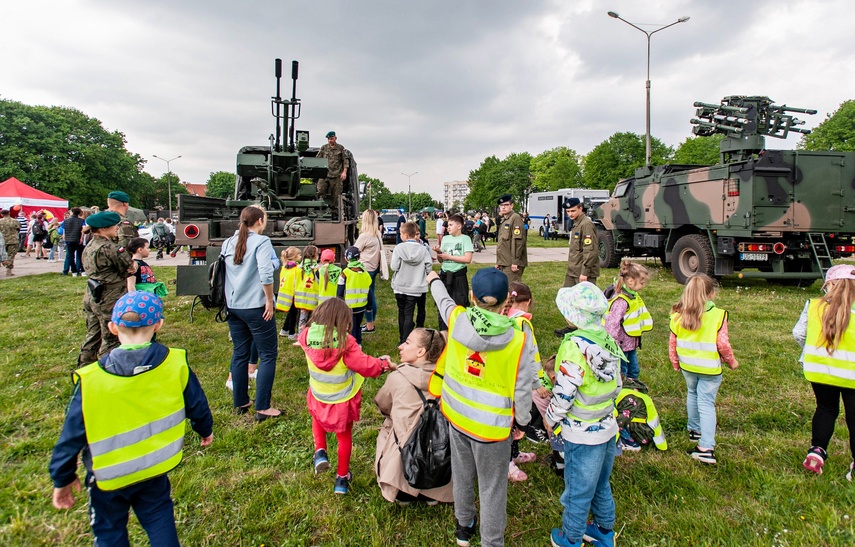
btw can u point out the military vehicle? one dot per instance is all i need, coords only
(782, 215)
(282, 179)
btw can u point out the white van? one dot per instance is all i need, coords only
(541, 204)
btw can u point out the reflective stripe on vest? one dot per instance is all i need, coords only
(637, 319)
(594, 399)
(356, 287)
(336, 385)
(285, 296)
(305, 290)
(835, 369)
(652, 421)
(697, 350)
(478, 387)
(134, 424)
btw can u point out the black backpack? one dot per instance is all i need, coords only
(426, 456)
(39, 229)
(217, 283)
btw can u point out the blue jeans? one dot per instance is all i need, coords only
(700, 405)
(73, 258)
(587, 469)
(248, 327)
(151, 502)
(371, 310)
(629, 368)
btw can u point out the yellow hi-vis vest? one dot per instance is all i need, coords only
(594, 399)
(336, 385)
(134, 424)
(696, 350)
(327, 289)
(356, 287)
(637, 319)
(305, 289)
(652, 419)
(285, 296)
(836, 368)
(477, 388)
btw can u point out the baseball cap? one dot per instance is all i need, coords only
(582, 304)
(841, 271)
(328, 255)
(145, 304)
(352, 253)
(490, 282)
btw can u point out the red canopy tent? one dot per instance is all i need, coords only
(14, 192)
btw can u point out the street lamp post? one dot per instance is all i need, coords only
(647, 84)
(168, 181)
(409, 196)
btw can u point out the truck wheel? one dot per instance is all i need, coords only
(608, 256)
(692, 255)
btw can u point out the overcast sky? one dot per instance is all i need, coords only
(433, 86)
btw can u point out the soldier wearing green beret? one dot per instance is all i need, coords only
(117, 202)
(339, 163)
(108, 266)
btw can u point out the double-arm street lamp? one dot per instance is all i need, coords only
(168, 180)
(409, 195)
(647, 84)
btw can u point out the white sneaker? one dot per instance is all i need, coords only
(229, 385)
(851, 474)
(75, 274)
(253, 375)
(84, 274)
(283, 332)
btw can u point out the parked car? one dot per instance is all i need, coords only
(390, 226)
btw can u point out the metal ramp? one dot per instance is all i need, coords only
(821, 254)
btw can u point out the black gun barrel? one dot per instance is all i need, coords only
(295, 66)
(785, 108)
(277, 70)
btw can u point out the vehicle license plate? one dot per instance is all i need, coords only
(754, 256)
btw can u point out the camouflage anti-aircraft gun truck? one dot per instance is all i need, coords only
(782, 215)
(280, 178)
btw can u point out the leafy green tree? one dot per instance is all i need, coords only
(159, 197)
(375, 193)
(62, 151)
(617, 158)
(836, 132)
(221, 185)
(495, 177)
(699, 150)
(555, 169)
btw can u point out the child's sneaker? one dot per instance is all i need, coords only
(466, 533)
(320, 461)
(558, 539)
(628, 443)
(283, 332)
(515, 474)
(815, 459)
(342, 484)
(536, 435)
(597, 538)
(694, 436)
(703, 456)
(851, 474)
(525, 457)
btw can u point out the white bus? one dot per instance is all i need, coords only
(541, 204)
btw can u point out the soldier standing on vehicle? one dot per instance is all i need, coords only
(9, 227)
(511, 238)
(331, 186)
(583, 258)
(108, 266)
(118, 203)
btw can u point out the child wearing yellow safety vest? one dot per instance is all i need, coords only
(484, 378)
(698, 346)
(587, 380)
(628, 317)
(306, 285)
(337, 369)
(285, 297)
(354, 284)
(127, 416)
(328, 274)
(826, 331)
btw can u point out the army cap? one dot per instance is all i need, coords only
(104, 219)
(572, 202)
(490, 282)
(330, 134)
(119, 196)
(505, 198)
(145, 304)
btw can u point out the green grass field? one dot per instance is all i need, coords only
(254, 486)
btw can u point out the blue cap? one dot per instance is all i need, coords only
(118, 195)
(351, 253)
(490, 282)
(572, 202)
(147, 305)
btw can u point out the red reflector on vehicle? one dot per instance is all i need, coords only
(191, 231)
(197, 253)
(845, 248)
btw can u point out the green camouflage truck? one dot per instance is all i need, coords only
(782, 215)
(281, 177)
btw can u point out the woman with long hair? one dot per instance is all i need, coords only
(249, 299)
(370, 245)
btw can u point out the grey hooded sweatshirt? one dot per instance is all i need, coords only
(411, 262)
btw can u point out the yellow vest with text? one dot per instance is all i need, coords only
(837, 368)
(305, 289)
(697, 350)
(285, 296)
(134, 424)
(652, 420)
(594, 399)
(637, 319)
(356, 287)
(333, 386)
(328, 289)
(477, 388)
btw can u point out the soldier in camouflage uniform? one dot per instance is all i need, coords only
(108, 265)
(511, 241)
(9, 227)
(118, 203)
(337, 173)
(583, 258)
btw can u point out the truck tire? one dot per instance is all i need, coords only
(692, 255)
(608, 256)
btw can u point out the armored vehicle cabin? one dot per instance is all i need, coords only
(782, 215)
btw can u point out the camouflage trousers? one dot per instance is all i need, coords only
(11, 250)
(99, 340)
(330, 187)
